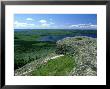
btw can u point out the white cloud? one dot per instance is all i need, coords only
(21, 24)
(30, 19)
(42, 21)
(45, 25)
(30, 24)
(83, 26)
(73, 26)
(52, 23)
(95, 26)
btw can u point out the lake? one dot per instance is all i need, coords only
(55, 38)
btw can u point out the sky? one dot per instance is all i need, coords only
(55, 21)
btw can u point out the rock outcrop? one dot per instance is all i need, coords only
(84, 51)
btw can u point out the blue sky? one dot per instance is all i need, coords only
(55, 21)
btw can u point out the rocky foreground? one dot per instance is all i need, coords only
(84, 51)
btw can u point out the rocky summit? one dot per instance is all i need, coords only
(84, 51)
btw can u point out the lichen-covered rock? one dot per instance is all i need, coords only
(84, 50)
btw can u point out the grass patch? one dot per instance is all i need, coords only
(57, 67)
(78, 38)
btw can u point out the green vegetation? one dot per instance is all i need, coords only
(58, 67)
(37, 33)
(28, 48)
(78, 38)
(30, 51)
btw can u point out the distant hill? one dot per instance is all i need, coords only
(50, 29)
